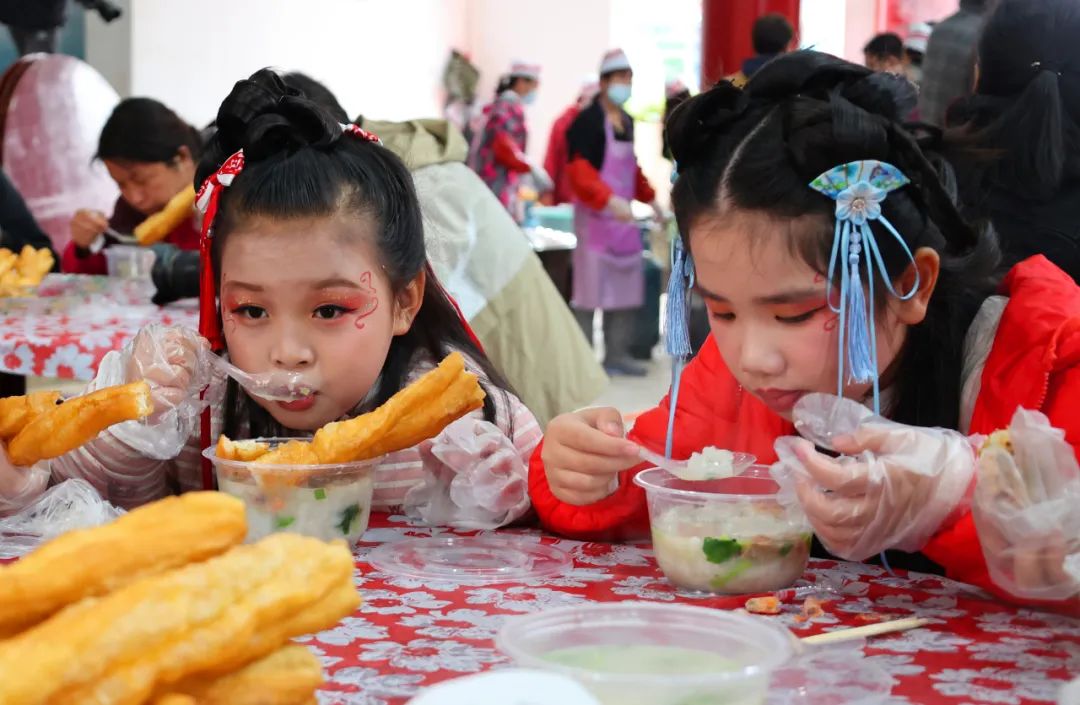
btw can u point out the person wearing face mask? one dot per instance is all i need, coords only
(605, 178)
(499, 156)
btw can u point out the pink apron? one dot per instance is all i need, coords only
(608, 268)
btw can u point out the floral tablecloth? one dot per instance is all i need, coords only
(75, 320)
(409, 634)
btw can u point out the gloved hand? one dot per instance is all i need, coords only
(173, 360)
(175, 273)
(1025, 510)
(893, 487)
(541, 178)
(475, 478)
(661, 215)
(19, 486)
(620, 209)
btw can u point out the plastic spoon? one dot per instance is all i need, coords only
(275, 386)
(703, 469)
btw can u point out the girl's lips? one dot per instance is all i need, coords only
(779, 400)
(298, 404)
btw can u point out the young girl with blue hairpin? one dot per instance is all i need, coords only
(851, 303)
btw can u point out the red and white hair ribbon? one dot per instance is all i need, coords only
(357, 131)
(207, 202)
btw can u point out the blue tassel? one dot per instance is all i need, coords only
(860, 357)
(676, 329)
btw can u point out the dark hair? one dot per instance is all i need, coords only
(317, 92)
(298, 164)
(758, 149)
(1024, 117)
(144, 130)
(508, 82)
(887, 44)
(669, 107)
(608, 75)
(771, 34)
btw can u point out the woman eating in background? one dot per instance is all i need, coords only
(150, 152)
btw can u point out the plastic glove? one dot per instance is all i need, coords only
(541, 178)
(894, 486)
(173, 361)
(661, 215)
(1025, 510)
(20, 486)
(474, 478)
(68, 506)
(619, 208)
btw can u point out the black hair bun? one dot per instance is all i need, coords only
(693, 123)
(263, 116)
(889, 95)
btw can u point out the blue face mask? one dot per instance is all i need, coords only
(529, 98)
(618, 93)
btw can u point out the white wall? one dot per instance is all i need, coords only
(384, 53)
(566, 37)
(108, 47)
(383, 58)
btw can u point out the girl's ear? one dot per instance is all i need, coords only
(928, 265)
(407, 303)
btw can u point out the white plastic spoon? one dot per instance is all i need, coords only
(278, 385)
(710, 464)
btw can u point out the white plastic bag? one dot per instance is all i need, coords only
(894, 486)
(474, 478)
(1027, 511)
(70, 505)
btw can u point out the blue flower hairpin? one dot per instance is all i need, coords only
(859, 188)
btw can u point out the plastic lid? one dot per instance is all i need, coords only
(479, 560)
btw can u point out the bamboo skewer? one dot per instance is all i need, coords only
(896, 625)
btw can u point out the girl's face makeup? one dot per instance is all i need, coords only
(309, 296)
(769, 312)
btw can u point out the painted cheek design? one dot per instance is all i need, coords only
(832, 320)
(371, 300)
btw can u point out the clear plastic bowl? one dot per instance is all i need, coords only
(638, 653)
(324, 501)
(1070, 694)
(129, 262)
(728, 536)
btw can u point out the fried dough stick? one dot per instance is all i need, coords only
(418, 412)
(243, 451)
(223, 613)
(158, 226)
(17, 412)
(288, 676)
(91, 562)
(77, 421)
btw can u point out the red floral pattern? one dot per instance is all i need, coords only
(410, 633)
(75, 320)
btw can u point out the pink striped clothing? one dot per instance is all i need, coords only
(129, 478)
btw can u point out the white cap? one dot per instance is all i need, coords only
(614, 60)
(918, 36)
(523, 69)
